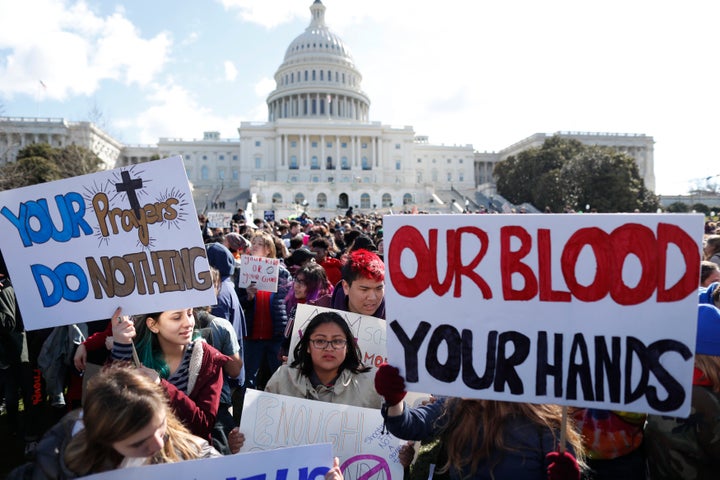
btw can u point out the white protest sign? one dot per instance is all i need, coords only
(262, 271)
(368, 331)
(78, 248)
(588, 310)
(219, 219)
(366, 453)
(308, 462)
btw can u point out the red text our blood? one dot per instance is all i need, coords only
(518, 245)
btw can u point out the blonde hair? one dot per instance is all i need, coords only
(465, 417)
(267, 241)
(709, 365)
(121, 401)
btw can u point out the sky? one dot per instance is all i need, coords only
(486, 73)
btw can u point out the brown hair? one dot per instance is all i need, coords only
(465, 416)
(121, 401)
(712, 246)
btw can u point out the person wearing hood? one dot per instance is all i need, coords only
(710, 295)
(362, 288)
(228, 305)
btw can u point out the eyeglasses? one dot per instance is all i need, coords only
(322, 344)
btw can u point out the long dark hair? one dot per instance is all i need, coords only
(353, 356)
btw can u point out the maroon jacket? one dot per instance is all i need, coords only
(198, 410)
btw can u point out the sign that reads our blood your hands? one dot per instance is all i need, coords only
(78, 248)
(588, 310)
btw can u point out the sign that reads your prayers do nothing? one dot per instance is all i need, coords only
(593, 310)
(78, 248)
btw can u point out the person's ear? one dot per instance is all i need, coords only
(151, 324)
(346, 287)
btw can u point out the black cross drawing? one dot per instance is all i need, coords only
(129, 186)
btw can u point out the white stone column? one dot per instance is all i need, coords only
(321, 160)
(307, 151)
(337, 152)
(374, 152)
(286, 156)
(353, 152)
(301, 149)
(278, 151)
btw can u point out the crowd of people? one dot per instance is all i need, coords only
(169, 385)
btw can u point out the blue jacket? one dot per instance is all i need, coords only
(527, 443)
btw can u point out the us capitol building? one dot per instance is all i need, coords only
(318, 151)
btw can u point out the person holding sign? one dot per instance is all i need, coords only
(484, 439)
(327, 366)
(265, 315)
(191, 371)
(690, 447)
(125, 422)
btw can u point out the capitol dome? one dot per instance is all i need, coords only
(318, 78)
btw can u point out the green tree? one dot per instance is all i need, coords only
(678, 207)
(40, 163)
(74, 160)
(701, 208)
(564, 172)
(43, 150)
(34, 170)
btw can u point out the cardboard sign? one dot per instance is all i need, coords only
(366, 453)
(78, 248)
(368, 331)
(308, 462)
(219, 219)
(588, 310)
(262, 271)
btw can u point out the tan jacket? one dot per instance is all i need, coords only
(356, 389)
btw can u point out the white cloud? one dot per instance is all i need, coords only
(175, 113)
(191, 38)
(264, 87)
(71, 50)
(266, 13)
(231, 71)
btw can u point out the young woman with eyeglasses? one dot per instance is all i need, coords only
(327, 366)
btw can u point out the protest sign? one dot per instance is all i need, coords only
(269, 215)
(587, 310)
(262, 271)
(78, 248)
(368, 331)
(356, 434)
(219, 219)
(308, 462)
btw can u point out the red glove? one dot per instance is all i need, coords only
(390, 384)
(562, 466)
